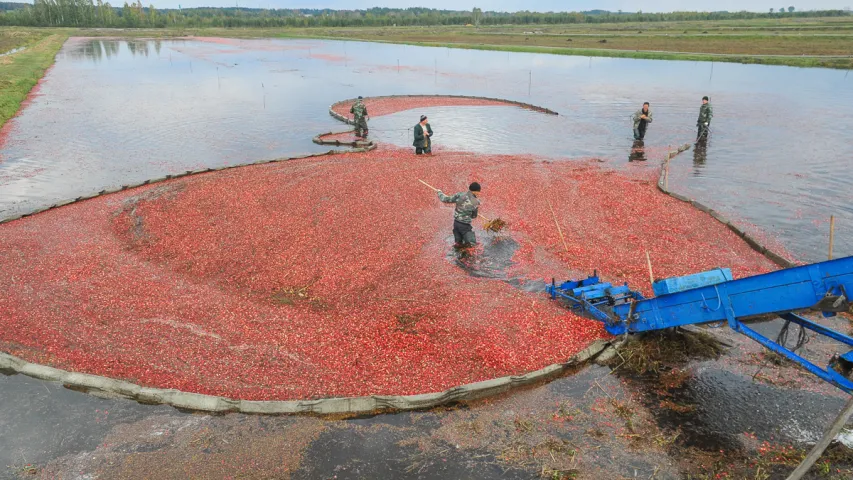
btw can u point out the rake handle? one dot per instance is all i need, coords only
(559, 230)
(651, 274)
(437, 190)
(428, 185)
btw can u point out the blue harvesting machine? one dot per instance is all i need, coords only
(714, 296)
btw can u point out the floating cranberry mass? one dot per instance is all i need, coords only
(329, 276)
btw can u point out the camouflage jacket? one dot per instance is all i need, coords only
(637, 116)
(467, 205)
(358, 110)
(706, 113)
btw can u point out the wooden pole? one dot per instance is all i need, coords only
(649, 262)
(559, 230)
(831, 234)
(824, 442)
(428, 185)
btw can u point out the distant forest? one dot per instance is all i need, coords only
(86, 13)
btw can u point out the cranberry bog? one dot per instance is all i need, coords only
(208, 102)
(334, 275)
(327, 276)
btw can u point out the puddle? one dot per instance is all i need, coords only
(729, 405)
(13, 51)
(42, 420)
(377, 453)
(845, 438)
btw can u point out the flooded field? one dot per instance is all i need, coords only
(115, 112)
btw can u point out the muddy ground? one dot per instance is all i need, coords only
(667, 408)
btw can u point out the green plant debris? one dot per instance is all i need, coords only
(660, 352)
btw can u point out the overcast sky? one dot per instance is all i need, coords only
(514, 5)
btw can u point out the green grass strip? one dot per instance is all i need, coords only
(843, 63)
(20, 72)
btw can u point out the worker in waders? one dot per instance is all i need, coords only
(704, 122)
(423, 137)
(467, 205)
(359, 113)
(642, 119)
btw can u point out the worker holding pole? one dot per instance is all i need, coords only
(467, 206)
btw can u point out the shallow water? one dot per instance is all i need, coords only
(491, 258)
(113, 112)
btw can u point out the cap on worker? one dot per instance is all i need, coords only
(423, 117)
(360, 97)
(474, 187)
(705, 98)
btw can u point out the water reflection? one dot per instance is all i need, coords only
(138, 47)
(111, 48)
(95, 50)
(638, 152)
(700, 154)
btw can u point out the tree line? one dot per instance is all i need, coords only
(96, 13)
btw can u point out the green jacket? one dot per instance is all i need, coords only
(639, 114)
(358, 110)
(421, 140)
(467, 205)
(706, 113)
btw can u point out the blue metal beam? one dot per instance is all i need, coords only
(827, 375)
(780, 293)
(815, 327)
(776, 292)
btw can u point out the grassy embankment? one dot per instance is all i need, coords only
(803, 44)
(19, 72)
